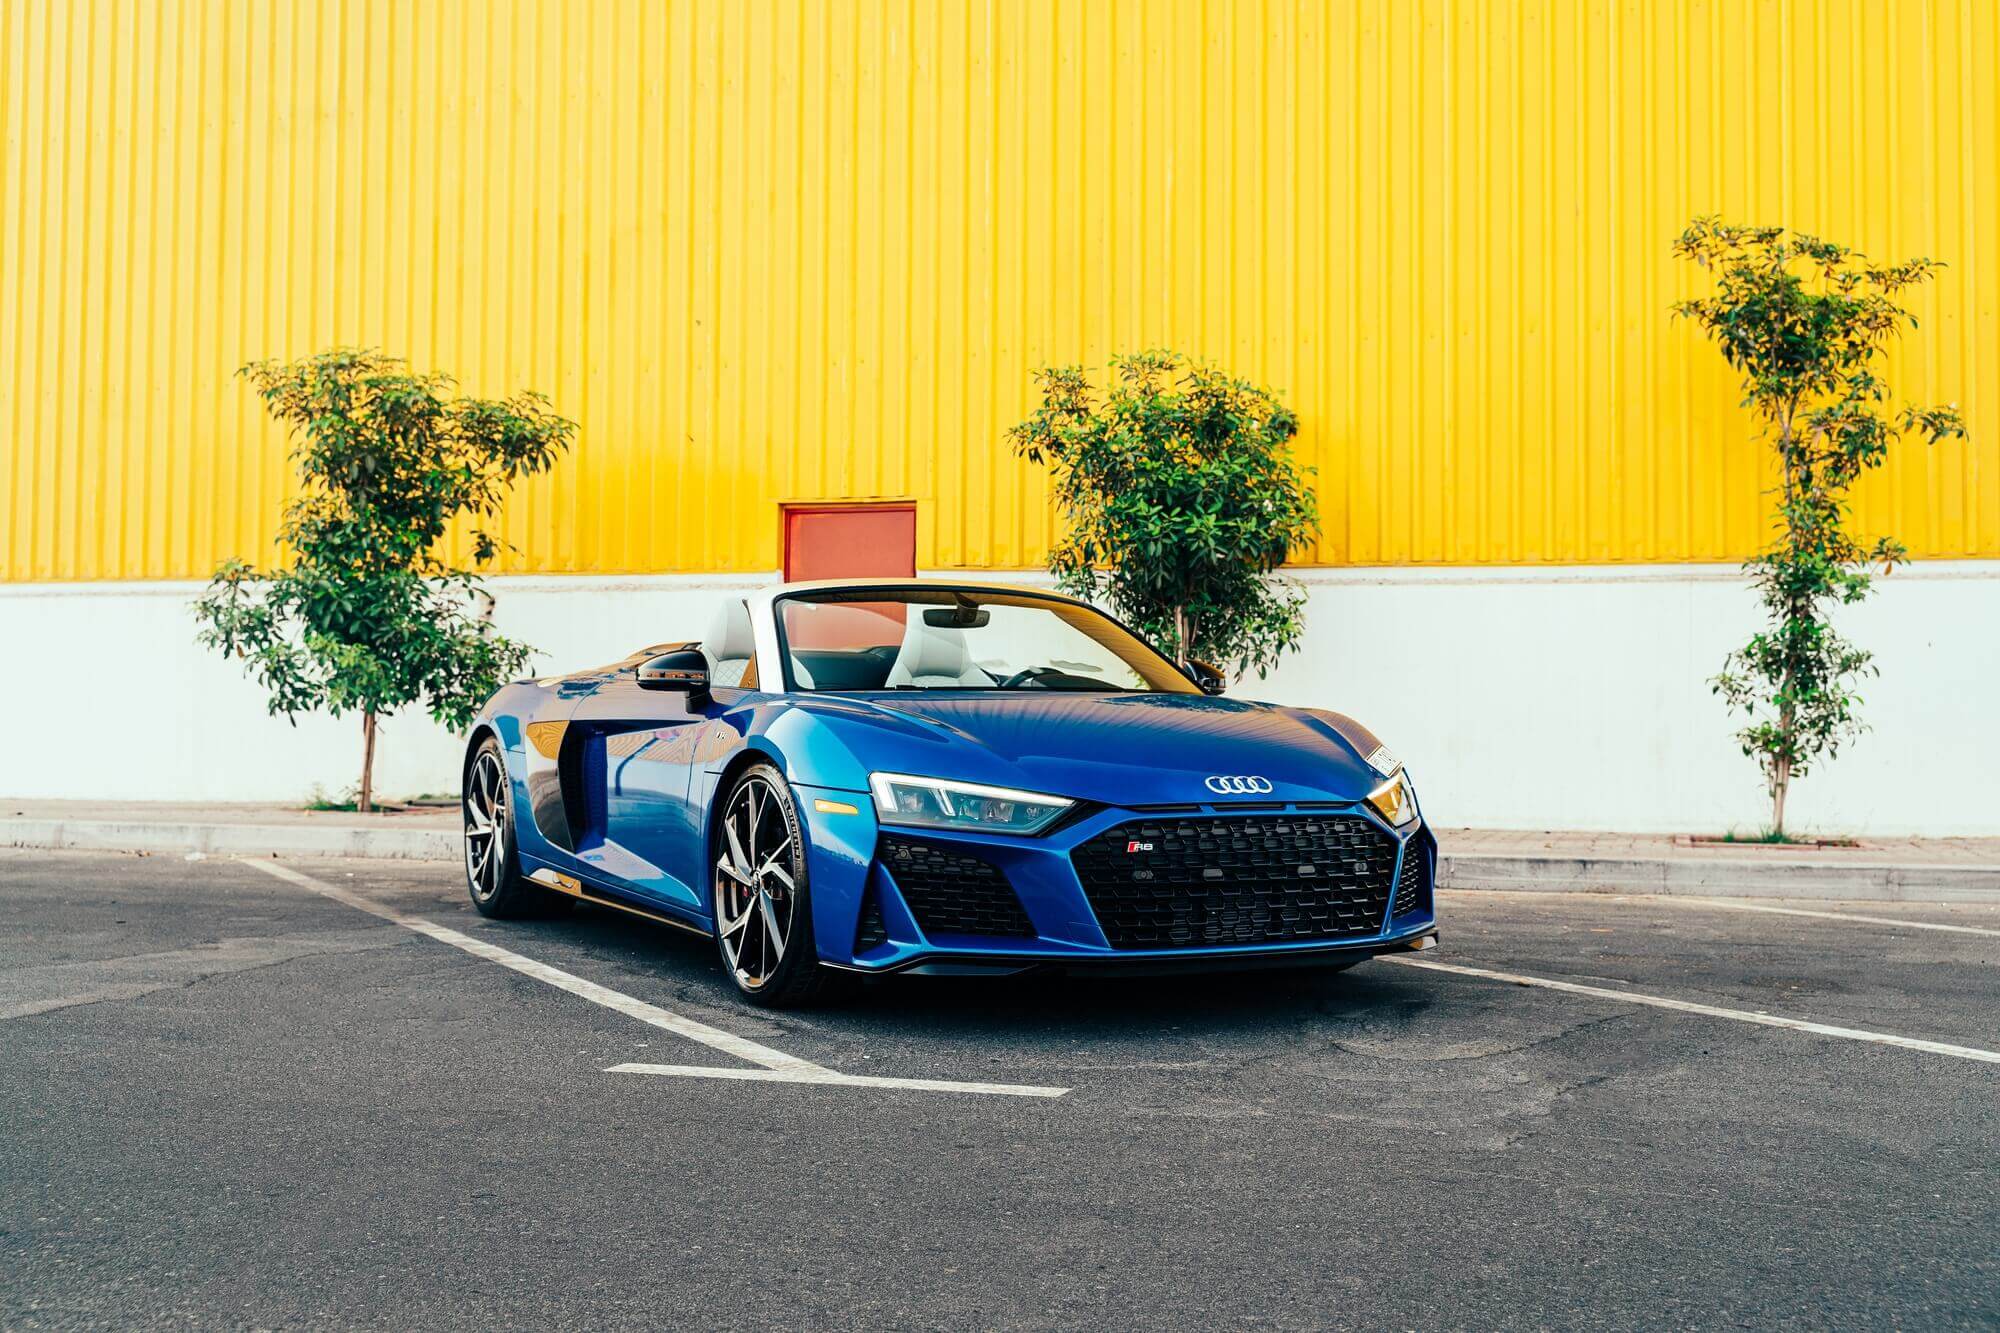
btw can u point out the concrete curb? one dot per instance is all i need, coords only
(1707, 877)
(404, 844)
(1720, 877)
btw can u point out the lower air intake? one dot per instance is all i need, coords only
(1413, 885)
(952, 893)
(1188, 883)
(869, 928)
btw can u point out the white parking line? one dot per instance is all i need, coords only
(1844, 916)
(1707, 1010)
(777, 1067)
(831, 1077)
(1727, 905)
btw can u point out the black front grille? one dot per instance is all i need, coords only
(1413, 885)
(1186, 883)
(951, 892)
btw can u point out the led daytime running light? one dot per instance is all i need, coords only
(904, 798)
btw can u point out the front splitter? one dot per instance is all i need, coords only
(986, 965)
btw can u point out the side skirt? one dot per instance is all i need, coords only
(578, 889)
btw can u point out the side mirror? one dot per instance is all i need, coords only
(1207, 677)
(684, 669)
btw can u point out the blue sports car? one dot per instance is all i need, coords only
(920, 776)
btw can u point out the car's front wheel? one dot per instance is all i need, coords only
(763, 904)
(492, 871)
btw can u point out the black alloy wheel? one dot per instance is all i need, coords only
(492, 871)
(763, 907)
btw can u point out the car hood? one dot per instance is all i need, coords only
(1119, 749)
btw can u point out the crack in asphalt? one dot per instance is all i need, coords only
(1400, 1046)
(1549, 1106)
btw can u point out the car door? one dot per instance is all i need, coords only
(636, 758)
(643, 749)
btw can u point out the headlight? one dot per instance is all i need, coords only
(935, 803)
(1395, 800)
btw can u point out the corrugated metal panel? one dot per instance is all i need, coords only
(798, 249)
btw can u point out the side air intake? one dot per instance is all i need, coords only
(951, 892)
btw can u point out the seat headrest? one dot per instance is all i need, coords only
(935, 657)
(730, 637)
(729, 645)
(935, 652)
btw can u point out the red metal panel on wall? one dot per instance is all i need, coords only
(850, 541)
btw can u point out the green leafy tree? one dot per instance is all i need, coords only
(1804, 321)
(1179, 500)
(364, 615)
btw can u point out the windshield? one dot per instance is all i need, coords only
(962, 639)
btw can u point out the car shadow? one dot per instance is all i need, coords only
(1033, 1004)
(1203, 1003)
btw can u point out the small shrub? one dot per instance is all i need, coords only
(1180, 502)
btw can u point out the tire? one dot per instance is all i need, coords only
(762, 903)
(492, 862)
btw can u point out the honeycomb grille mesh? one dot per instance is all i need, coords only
(950, 892)
(1184, 883)
(869, 928)
(1413, 885)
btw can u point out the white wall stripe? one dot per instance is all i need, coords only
(1458, 671)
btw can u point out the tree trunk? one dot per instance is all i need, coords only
(1781, 782)
(1781, 770)
(1182, 648)
(366, 802)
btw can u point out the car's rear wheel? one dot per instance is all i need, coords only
(492, 867)
(763, 905)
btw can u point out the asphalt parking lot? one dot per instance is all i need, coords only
(230, 1099)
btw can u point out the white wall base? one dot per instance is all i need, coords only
(1568, 697)
(1578, 697)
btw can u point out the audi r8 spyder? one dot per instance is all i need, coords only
(918, 776)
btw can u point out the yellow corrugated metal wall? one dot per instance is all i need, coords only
(798, 249)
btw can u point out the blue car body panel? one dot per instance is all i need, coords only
(617, 787)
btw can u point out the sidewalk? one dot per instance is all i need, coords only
(229, 829)
(1879, 870)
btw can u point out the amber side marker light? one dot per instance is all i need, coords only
(1427, 942)
(826, 807)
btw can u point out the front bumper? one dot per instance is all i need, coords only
(1041, 916)
(1242, 959)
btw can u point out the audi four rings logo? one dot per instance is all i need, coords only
(1238, 786)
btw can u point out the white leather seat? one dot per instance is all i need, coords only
(729, 645)
(934, 657)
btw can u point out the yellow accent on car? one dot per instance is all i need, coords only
(555, 879)
(546, 737)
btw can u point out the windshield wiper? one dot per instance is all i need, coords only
(1054, 678)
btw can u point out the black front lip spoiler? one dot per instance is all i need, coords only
(987, 965)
